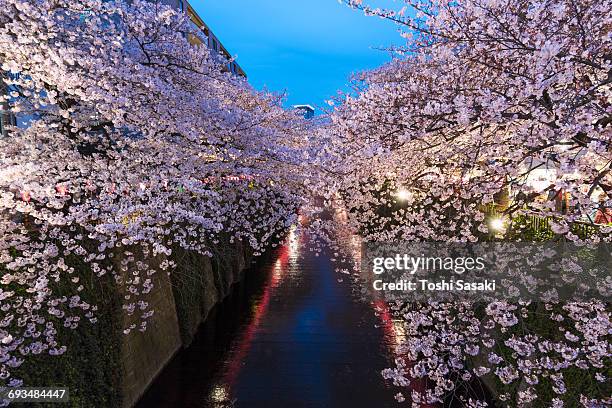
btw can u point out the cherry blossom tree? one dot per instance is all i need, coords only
(133, 141)
(491, 110)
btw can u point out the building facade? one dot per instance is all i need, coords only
(208, 37)
(307, 110)
(6, 118)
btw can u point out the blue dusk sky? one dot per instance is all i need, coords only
(308, 48)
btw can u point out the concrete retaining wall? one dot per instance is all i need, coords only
(181, 302)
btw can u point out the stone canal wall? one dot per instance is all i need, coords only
(181, 302)
(104, 368)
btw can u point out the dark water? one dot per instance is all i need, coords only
(290, 336)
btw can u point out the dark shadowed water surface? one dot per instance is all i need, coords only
(291, 335)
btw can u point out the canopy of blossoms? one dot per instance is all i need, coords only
(138, 142)
(132, 141)
(494, 110)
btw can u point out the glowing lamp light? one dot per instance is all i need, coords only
(61, 189)
(497, 224)
(403, 195)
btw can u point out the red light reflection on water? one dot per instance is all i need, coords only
(393, 331)
(278, 271)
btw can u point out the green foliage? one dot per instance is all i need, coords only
(91, 366)
(577, 381)
(537, 229)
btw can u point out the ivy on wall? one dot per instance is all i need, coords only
(91, 365)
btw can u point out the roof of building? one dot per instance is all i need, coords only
(310, 107)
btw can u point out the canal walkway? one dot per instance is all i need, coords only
(292, 335)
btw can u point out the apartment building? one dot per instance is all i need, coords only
(6, 119)
(308, 111)
(208, 37)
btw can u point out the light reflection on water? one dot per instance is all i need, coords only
(219, 396)
(291, 336)
(394, 328)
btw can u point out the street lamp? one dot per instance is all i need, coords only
(497, 224)
(403, 194)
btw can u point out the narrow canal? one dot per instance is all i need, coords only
(291, 335)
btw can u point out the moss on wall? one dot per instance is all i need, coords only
(102, 367)
(91, 366)
(577, 381)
